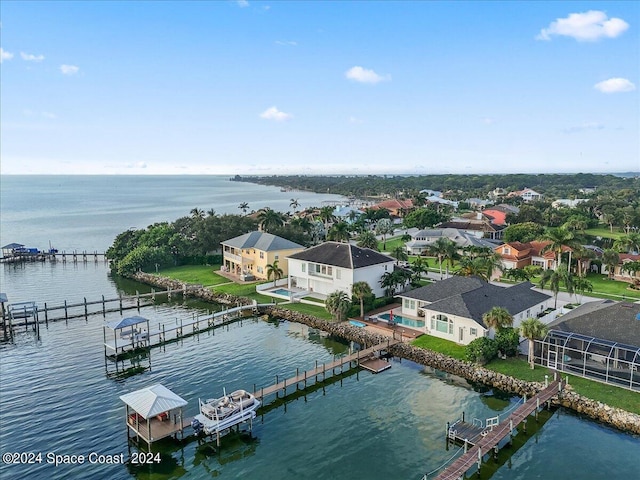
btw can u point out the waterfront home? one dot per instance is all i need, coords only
(248, 255)
(422, 240)
(452, 309)
(622, 271)
(567, 202)
(599, 340)
(332, 266)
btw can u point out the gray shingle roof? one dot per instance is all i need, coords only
(462, 298)
(266, 242)
(342, 255)
(445, 288)
(605, 319)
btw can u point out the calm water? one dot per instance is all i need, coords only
(55, 396)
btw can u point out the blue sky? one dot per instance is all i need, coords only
(319, 87)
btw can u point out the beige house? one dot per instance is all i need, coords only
(248, 255)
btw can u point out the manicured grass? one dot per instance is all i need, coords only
(608, 394)
(391, 245)
(446, 347)
(195, 274)
(518, 368)
(605, 232)
(316, 311)
(245, 290)
(602, 288)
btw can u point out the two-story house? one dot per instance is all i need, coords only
(248, 255)
(332, 266)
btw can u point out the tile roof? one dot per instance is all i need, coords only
(266, 242)
(605, 319)
(445, 288)
(342, 255)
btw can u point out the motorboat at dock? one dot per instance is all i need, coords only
(218, 414)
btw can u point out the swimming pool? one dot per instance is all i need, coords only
(356, 323)
(399, 319)
(282, 291)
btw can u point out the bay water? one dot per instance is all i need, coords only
(55, 396)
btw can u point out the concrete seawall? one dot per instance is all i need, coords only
(615, 417)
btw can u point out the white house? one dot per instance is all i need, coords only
(453, 308)
(335, 266)
(422, 240)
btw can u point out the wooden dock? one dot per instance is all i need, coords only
(375, 364)
(487, 442)
(321, 370)
(73, 257)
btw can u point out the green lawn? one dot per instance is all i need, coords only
(316, 311)
(604, 288)
(391, 244)
(195, 274)
(446, 347)
(605, 232)
(608, 394)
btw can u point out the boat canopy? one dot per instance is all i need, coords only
(126, 322)
(151, 401)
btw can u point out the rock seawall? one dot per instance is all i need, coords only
(601, 412)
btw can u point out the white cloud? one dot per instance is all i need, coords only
(353, 119)
(242, 3)
(363, 75)
(4, 55)
(287, 43)
(615, 85)
(588, 26)
(29, 57)
(69, 69)
(589, 126)
(276, 115)
(488, 121)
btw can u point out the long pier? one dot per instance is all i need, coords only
(321, 370)
(73, 257)
(486, 443)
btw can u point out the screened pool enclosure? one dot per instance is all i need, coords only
(590, 357)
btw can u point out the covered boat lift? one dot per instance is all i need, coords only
(126, 339)
(154, 413)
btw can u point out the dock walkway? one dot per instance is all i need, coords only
(314, 373)
(459, 467)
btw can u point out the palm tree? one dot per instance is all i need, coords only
(337, 304)
(628, 243)
(581, 284)
(269, 219)
(361, 290)
(273, 270)
(497, 318)
(294, 204)
(576, 223)
(554, 278)
(244, 206)
(339, 232)
(211, 212)
(560, 239)
(517, 274)
(419, 266)
(451, 255)
(327, 216)
(384, 227)
(197, 213)
(611, 259)
(439, 249)
(582, 257)
(368, 240)
(532, 329)
(390, 281)
(400, 254)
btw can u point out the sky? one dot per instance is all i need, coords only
(276, 87)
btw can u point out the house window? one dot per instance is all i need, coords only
(473, 331)
(338, 274)
(507, 251)
(277, 257)
(412, 304)
(304, 267)
(406, 303)
(441, 323)
(259, 269)
(261, 254)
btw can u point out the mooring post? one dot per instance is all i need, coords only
(104, 311)
(66, 315)
(479, 459)
(86, 313)
(120, 298)
(138, 299)
(46, 314)
(546, 381)
(466, 445)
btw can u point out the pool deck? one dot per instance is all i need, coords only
(383, 328)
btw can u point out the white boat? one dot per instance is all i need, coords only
(218, 414)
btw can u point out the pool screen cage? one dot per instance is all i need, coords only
(609, 362)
